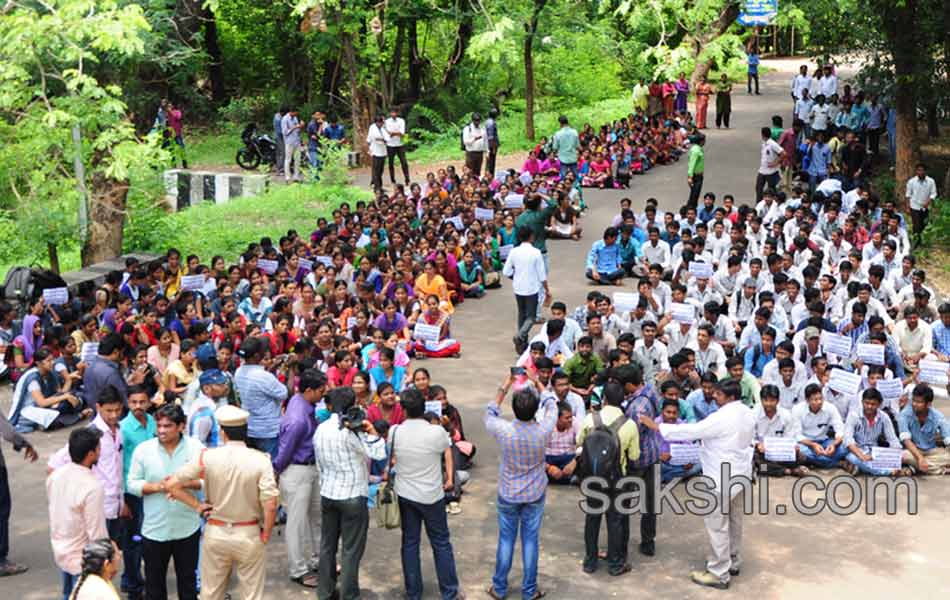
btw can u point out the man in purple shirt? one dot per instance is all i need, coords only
(642, 400)
(295, 468)
(521, 482)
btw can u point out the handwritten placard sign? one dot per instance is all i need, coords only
(305, 264)
(844, 382)
(888, 459)
(839, 345)
(684, 454)
(434, 407)
(268, 266)
(514, 201)
(89, 351)
(700, 269)
(56, 296)
(484, 214)
(891, 389)
(683, 313)
(326, 261)
(192, 283)
(427, 333)
(780, 449)
(933, 372)
(624, 302)
(456, 222)
(871, 354)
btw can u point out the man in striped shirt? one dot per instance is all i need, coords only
(642, 399)
(521, 482)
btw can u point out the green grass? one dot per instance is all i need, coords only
(211, 229)
(209, 147)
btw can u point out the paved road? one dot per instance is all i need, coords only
(790, 556)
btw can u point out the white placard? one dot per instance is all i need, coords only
(871, 354)
(833, 343)
(780, 449)
(305, 264)
(326, 261)
(504, 251)
(563, 228)
(891, 389)
(456, 222)
(363, 240)
(427, 333)
(43, 417)
(844, 382)
(933, 372)
(526, 178)
(434, 406)
(886, 458)
(268, 266)
(514, 201)
(700, 269)
(192, 283)
(683, 313)
(350, 322)
(89, 350)
(56, 296)
(624, 302)
(684, 454)
(484, 214)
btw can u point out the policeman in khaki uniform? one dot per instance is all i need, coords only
(241, 507)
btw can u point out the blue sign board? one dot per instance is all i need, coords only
(758, 12)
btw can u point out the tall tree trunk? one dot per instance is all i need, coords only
(215, 66)
(704, 36)
(466, 29)
(531, 28)
(53, 253)
(107, 202)
(397, 61)
(361, 99)
(416, 64)
(901, 29)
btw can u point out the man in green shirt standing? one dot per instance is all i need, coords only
(565, 143)
(694, 173)
(535, 217)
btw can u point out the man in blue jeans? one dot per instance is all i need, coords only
(421, 448)
(861, 433)
(816, 421)
(521, 483)
(604, 262)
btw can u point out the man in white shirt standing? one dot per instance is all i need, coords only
(727, 437)
(290, 126)
(769, 164)
(474, 138)
(525, 267)
(396, 128)
(828, 85)
(921, 191)
(800, 82)
(377, 138)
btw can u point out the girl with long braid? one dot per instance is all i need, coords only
(100, 563)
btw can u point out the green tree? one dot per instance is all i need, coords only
(63, 128)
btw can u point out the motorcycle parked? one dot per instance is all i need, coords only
(257, 149)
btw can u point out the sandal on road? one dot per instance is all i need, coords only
(307, 580)
(8, 569)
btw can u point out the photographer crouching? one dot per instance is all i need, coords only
(343, 443)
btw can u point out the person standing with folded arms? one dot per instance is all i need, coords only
(296, 470)
(240, 505)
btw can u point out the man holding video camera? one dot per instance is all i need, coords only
(343, 443)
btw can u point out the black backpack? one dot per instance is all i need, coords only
(18, 287)
(600, 452)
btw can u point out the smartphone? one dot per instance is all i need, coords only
(517, 370)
